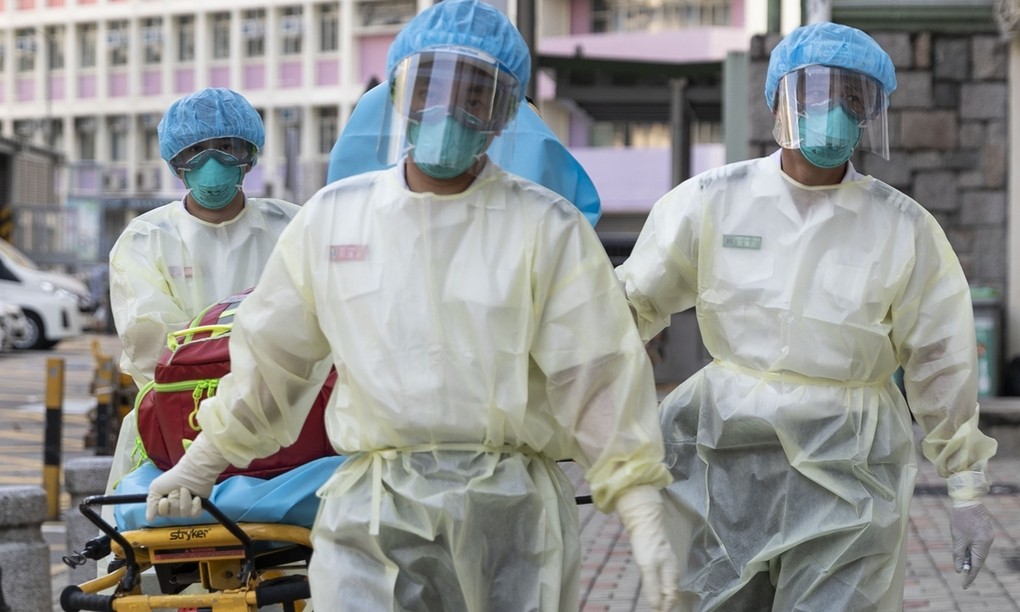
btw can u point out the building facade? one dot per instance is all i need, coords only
(92, 78)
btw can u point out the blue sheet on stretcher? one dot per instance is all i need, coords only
(288, 498)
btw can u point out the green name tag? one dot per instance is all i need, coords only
(735, 241)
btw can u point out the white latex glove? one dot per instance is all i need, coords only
(642, 510)
(973, 534)
(178, 491)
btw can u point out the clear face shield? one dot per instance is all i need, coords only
(828, 112)
(447, 105)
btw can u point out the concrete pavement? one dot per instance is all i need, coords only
(609, 579)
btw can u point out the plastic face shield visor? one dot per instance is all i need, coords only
(228, 151)
(455, 84)
(809, 96)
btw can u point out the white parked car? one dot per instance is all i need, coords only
(13, 325)
(55, 304)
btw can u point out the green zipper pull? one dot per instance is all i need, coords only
(196, 395)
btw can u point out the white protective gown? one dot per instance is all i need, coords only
(165, 268)
(478, 337)
(792, 452)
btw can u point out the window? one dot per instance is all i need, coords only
(221, 35)
(650, 135)
(118, 138)
(55, 48)
(185, 38)
(656, 15)
(152, 40)
(85, 128)
(329, 27)
(25, 128)
(117, 42)
(327, 129)
(150, 145)
(253, 32)
(87, 45)
(290, 31)
(24, 49)
(53, 131)
(385, 12)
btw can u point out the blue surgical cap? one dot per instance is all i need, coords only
(465, 23)
(828, 44)
(214, 112)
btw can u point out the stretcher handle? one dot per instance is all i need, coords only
(131, 572)
(73, 599)
(131, 575)
(285, 590)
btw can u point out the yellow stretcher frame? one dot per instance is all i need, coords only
(228, 566)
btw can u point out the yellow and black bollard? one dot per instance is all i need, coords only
(54, 425)
(104, 407)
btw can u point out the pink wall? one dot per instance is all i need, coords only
(219, 76)
(87, 86)
(184, 80)
(254, 76)
(24, 90)
(290, 74)
(117, 85)
(372, 51)
(152, 82)
(327, 72)
(580, 16)
(631, 180)
(737, 13)
(57, 87)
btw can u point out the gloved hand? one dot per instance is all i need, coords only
(972, 531)
(642, 511)
(177, 491)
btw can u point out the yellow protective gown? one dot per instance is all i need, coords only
(792, 452)
(478, 337)
(165, 268)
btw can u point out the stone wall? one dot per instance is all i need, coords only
(948, 131)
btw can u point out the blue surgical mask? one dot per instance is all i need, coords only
(213, 184)
(827, 140)
(445, 149)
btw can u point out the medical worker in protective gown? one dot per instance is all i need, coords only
(792, 452)
(457, 303)
(172, 262)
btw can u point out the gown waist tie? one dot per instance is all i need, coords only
(357, 464)
(800, 379)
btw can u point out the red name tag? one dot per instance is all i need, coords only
(348, 252)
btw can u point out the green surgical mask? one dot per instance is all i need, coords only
(213, 184)
(828, 140)
(445, 149)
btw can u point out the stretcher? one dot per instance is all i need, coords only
(236, 567)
